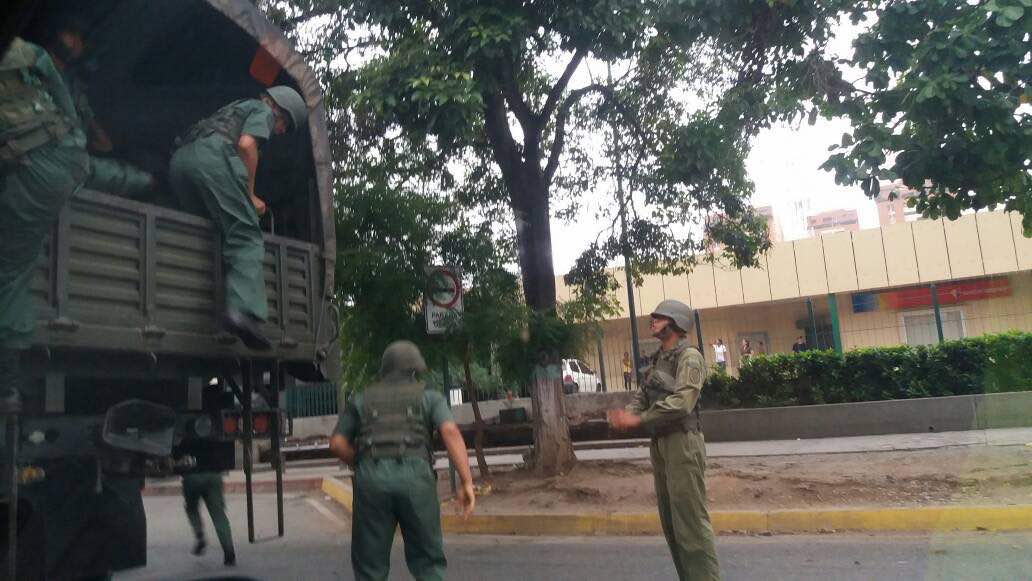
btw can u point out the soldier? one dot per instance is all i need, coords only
(43, 161)
(387, 430)
(213, 172)
(207, 486)
(66, 45)
(670, 387)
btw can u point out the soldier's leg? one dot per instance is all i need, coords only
(117, 177)
(215, 500)
(372, 532)
(191, 505)
(659, 475)
(686, 484)
(419, 514)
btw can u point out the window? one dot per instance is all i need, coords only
(919, 326)
(573, 366)
(585, 369)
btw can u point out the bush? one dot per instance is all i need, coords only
(986, 364)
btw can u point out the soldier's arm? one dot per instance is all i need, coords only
(247, 149)
(342, 441)
(637, 404)
(691, 372)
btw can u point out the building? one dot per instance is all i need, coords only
(894, 211)
(866, 288)
(773, 228)
(833, 221)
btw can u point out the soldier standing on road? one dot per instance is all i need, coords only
(385, 433)
(213, 172)
(43, 162)
(670, 388)
(207, 486)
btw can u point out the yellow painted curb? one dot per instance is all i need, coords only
(914, 519)
(338, 491)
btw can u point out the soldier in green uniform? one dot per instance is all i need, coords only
(207, 486)
(386, 433)
(43, 161)
(213, 171)
(670, 387)
(66, 45)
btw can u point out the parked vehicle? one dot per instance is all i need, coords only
(579, 378)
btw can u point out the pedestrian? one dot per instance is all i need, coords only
(385, 433)
(761, 348)
(207, 486)
(43, 161)
(668, 395)
(800, 345)
(745, 349)
(627, 370)
(720, 354)
(213, 171)
(66, 45)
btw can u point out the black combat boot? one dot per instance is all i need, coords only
(245, 327)
(229, 560)
(10, 381)
(199, 546)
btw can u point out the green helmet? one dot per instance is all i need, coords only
(290, 101)
(402, 358)
(681, 314)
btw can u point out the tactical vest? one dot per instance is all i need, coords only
(227, 122)
(660, 381)
(392, 422)
(29, 118)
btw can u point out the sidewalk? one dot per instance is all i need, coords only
(308, 475)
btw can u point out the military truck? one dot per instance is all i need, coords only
(130, 373)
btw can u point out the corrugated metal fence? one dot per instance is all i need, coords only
(311, 400)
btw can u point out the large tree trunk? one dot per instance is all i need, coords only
(478, 419)
(553, 448)
(534, 240)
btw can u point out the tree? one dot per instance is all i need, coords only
(942, 103)
(501, 100)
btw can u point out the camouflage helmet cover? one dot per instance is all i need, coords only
(681, 314)
(290, 101)
(402, 358)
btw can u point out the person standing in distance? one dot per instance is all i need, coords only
(720, 354)
(670, 388)
(213, 172)
(385, 433)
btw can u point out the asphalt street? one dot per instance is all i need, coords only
(316, 547)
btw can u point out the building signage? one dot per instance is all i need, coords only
(949, 293)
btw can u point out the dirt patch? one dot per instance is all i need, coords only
(952, 476)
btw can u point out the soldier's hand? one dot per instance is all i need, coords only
(467, 499)
(259, 205)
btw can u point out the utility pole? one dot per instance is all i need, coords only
(618, 164)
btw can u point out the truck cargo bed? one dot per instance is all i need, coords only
(120, 275)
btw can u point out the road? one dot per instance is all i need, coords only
(316, 547)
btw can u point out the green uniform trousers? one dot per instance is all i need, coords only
(34, 191)
(679, 464)
(388, 493)
(114, 176)
(208, 177)
(207, 486)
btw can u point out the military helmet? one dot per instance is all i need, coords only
(402, 357)
(290, 101)
(681, 314)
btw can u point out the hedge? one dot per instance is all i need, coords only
(986, 364)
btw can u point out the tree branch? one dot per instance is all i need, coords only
(499, 137)
(557, 90)
(560, 126)
(513, 96)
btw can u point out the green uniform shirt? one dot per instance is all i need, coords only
(435, 410)
(691, 373)
(259, 120)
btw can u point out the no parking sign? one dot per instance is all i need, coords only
(443, 296)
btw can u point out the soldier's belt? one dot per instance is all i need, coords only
(682, 426)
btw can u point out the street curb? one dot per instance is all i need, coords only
(908, 519)
(235, 487)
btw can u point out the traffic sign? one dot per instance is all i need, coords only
(443, 297)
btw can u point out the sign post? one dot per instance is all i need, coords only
(443, 299)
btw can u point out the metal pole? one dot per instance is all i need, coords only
(277, 377)
(447, 398)
(11, 455)
(836, 327)
(813, 323)
(938, 312)
(698, 334)
(248, 369)
(602, 364)
(629, 281)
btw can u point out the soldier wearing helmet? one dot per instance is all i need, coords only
(212, 173)
(670, 387)
(385, 433)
